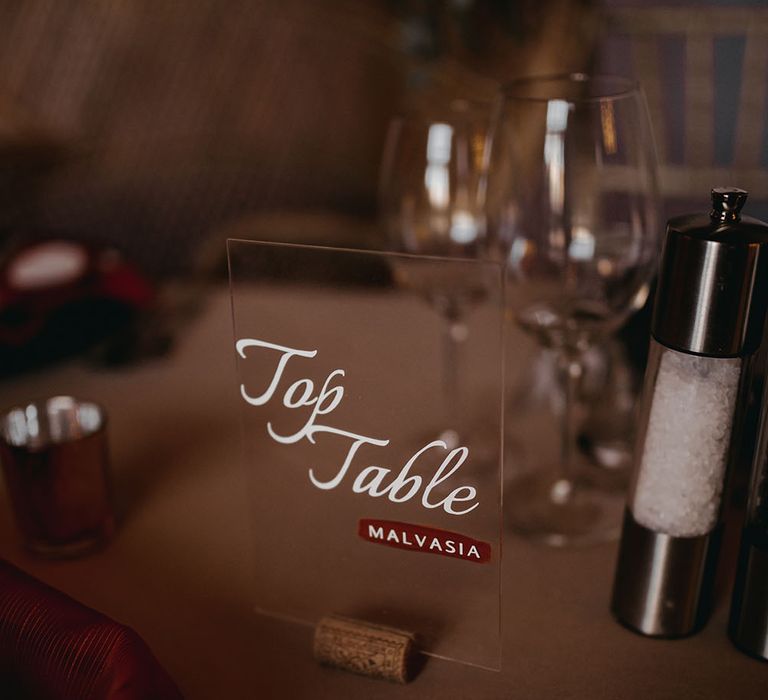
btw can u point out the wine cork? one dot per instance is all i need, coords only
(364, 648)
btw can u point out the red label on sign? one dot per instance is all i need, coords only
(424, 539)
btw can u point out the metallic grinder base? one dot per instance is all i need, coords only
(748, 626)
(663, 585)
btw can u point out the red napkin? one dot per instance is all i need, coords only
(54, 648)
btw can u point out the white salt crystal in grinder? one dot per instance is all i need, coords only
(707, 323)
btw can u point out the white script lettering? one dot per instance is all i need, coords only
(376, 481)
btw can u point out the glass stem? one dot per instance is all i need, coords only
(570, 370)
(454, 336)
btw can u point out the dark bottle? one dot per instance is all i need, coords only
(748, 625)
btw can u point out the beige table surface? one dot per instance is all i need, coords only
(178, 571)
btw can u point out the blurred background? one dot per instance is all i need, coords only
(151, 131)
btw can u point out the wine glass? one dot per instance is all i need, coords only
(572, 206)
(432, 202)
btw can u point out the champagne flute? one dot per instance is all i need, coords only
(432, 202)
(572, 205)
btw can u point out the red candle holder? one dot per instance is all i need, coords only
(55, 461)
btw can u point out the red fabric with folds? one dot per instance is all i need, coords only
(54, 648)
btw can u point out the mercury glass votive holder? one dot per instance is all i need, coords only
(55, 461)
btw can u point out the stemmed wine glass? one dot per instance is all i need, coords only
(572, 206)
(432, 202)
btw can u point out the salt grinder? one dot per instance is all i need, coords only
(707, 323)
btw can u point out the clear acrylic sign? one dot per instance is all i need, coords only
(371, 397)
